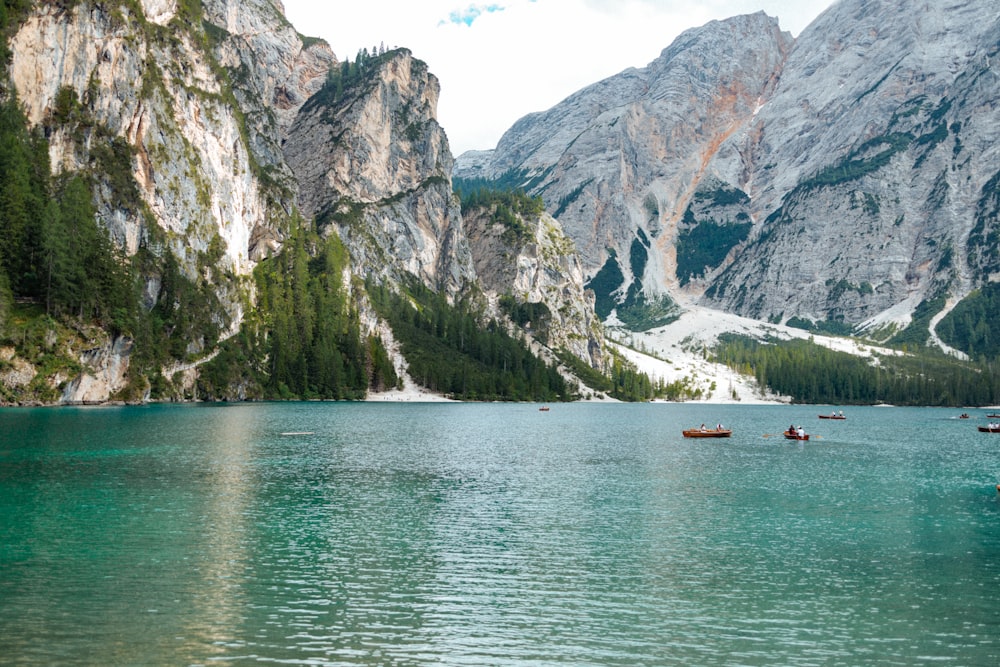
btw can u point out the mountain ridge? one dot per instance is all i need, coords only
(258, 193)
(288, 224)
(879, 89)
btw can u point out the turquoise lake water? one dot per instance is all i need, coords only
(496, 534)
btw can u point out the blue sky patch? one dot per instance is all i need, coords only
(468, 15)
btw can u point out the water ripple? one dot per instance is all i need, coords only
(486, 535)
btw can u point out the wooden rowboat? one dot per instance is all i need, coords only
(987, 429)
(832, 417)
(707, 433)
(792, 435)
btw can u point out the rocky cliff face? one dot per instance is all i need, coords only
(621, 160)
(144, 82)
(136, 94)
(373, 165)
(273, 71)
(849, 176)
(539, 267)
(870, 161)
(206, 132)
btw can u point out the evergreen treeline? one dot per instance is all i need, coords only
(706, 245)
(58, 262)
(305, 339)
(449, 351)
(514, 199)
(535, 315)
(811, 373)
(972, 325)
(52, 250)
(512, 179)
(510, 208)
(349, 74)
(10, 13)
(625, 382)
(917, 332)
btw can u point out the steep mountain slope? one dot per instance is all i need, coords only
(213, 142)
(850, 177)
(619, 161)
(534, 275)
(135, 101)
(374, 169)
(870, 161)
(373, 165)
(267, 203)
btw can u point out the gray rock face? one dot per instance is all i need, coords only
(373, 165)
(540, 268)
(228, 158)
(146, 85)
(161, 96)
(277, 71)
(849, 175)
(866, 154)
(628, 152)
(870, 160)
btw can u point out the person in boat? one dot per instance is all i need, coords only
(841, 413)
(718, 427)
(801, 432)
(791, 429)
(833, 414)
(703, 427)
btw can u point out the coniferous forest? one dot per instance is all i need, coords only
(303, 340)
(60, 271)
(63, 278)
(52, 251)
(450, 351)
(67, 286)
(811, 373)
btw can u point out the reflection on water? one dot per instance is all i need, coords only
(495, 534)
(218, 593)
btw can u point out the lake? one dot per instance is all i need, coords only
(496, 534)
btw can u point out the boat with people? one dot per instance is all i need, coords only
(796, 434)
(702, 432)
(840, 416)
(992, 428)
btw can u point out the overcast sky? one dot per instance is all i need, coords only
(502, 59)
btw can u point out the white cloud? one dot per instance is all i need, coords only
(468, 15)
(499, 61)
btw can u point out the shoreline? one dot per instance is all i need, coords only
(418, 396)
